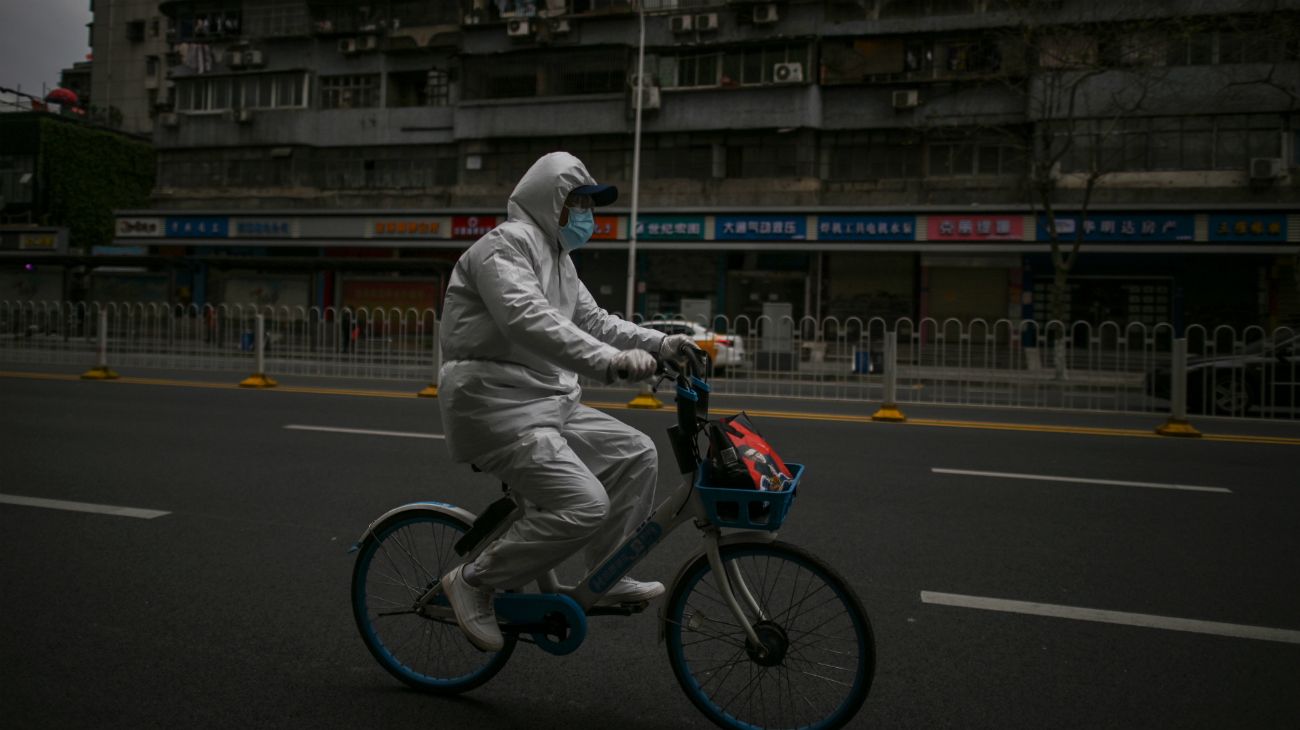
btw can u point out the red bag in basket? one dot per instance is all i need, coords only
(741, 458)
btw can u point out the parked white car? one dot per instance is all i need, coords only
(728, 350)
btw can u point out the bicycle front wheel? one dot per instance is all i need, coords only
(817, 659)
(398, 562)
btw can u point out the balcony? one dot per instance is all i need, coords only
(323, 128)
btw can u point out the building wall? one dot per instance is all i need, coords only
(125, 36)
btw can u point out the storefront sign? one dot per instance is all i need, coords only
(760, 228)
(1248, 227)
(407, 228)
(866, 228)
(976, 228)
(43, 241)
(471, 227)
(196, 227)
(119, 250)
(1122, 227)
(139, 227)
(264, 228)
(670, 228)
(608, 228)
(418, 294)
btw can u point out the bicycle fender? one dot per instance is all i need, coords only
(450, 510)
(731, 539)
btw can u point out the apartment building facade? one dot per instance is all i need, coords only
(818, 158)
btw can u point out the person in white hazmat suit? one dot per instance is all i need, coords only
(518, 327)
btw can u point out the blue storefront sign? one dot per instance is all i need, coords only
(1263, 227)
(263, 228)
(198, 227)
(760, 228)
(1122, 227)
(866, 228)
(670, 228)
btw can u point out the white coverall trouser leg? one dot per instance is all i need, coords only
(587, 484)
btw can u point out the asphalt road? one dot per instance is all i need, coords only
(232, 609)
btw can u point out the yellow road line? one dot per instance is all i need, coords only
(789, 415)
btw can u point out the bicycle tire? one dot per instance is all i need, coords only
(814, 622)
(428, 654)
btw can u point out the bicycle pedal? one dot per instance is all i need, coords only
(621, 609)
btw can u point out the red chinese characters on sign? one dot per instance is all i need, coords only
(407, 227)
(976, 228)
(472, 226)
(607, 228)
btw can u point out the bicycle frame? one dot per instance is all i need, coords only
(682, 506)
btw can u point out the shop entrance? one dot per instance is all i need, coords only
(1097, 299)
(748, 291)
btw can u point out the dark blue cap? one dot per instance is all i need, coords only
(600, 194)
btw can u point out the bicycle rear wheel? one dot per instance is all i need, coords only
(397, 563)
(819, 655)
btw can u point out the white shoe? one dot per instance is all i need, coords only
(627, 590)
(474, 611)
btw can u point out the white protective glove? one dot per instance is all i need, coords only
(681, 348)
(631, 365)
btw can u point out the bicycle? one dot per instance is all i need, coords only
(759, 633)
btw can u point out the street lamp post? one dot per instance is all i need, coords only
(636, 166)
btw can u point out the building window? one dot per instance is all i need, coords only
(749, 66)
(525, 75)
(1172, 143)
(439, 88)
(418, 88)
(405, 167)
(277, 19)
(967, 157)
(770, 154)
(872, 155)
(256, 91)
(357, 91)
(688, 156)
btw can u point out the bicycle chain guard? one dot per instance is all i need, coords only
(544, 615)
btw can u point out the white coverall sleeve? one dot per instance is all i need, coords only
(613, 330)
(512, 293)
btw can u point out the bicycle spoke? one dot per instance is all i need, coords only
(823, 676)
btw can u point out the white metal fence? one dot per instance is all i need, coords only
(379, 343)
(1101, 367)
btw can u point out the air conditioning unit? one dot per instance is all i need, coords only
(368, 43)
(905, 99)
(348, 45)
(765, 14)
(244, 116)
(169, 119)
(647, 82)
(254, 59)
(559, 27)
(788, 73)
(518, 27)
(706, 22)
(1265, 168)
(682, 23)
(650, 98)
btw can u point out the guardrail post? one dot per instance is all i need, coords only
(259, 378)
(431, 390)
(102, 371)
(645, 398)
(889, 408)
(1178, 425)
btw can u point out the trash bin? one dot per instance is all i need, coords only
(861, 362)
(246, 342)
